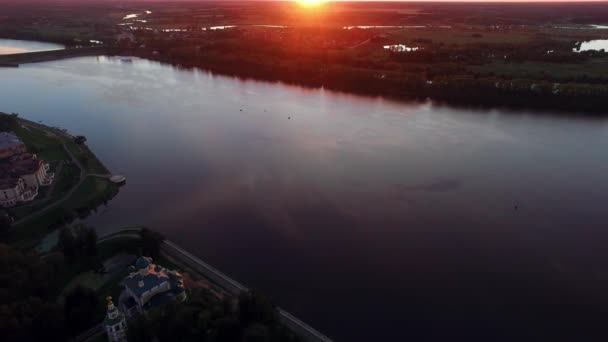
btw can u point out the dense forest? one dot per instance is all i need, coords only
(30, 286)
(249, 318)
(444, 73)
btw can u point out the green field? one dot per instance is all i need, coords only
(89, 195)
(92, 192)
(87, 158)
(595, 68)
(459, 36)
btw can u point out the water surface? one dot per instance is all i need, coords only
(370, 219)
(11, 46)
(596, 44)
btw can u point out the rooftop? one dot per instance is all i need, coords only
(143, 262)
(151, 275)
(26, 167)
(20, 168)
(9, 139)
(8, 183)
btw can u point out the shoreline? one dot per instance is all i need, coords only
(441, 95)
(21, 236)
(194, 265)
(17, 59)
(84, 190)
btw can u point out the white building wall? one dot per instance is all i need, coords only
(12, 196)
(31, 181)
(117, 332)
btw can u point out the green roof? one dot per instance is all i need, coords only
(143, 262)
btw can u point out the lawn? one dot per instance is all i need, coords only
(29, 234)
(94, 191)
(53, 154)
(459, 36)
(66, 179)
(91, 193)
(38, 141)
(88, 160)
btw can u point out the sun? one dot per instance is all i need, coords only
(310, 3)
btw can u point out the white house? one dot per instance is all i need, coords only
(33, 171)
(14, 191)
(20, 179)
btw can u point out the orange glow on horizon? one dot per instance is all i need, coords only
(310, 3)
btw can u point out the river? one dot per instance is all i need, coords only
(10, 46)
(370, 219)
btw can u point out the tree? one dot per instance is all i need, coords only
(8, 122)
(227, 329)
(67, 243)
(27, 303)
(204, 317)
(80, 139)
(16, 319)
(255, 308)
(256, 333)
(182, 326)
(78, 242)
(81, 309)
(88, 239)
(5, 221)
(49, 324)
(151, 242)
(140, 329)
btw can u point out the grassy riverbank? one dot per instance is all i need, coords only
(78, 187)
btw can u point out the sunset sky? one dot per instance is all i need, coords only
(93, 1)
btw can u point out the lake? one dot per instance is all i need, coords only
(596, 44)
(370, 219)
(11, 46)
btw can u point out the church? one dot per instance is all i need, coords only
(148, 286)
